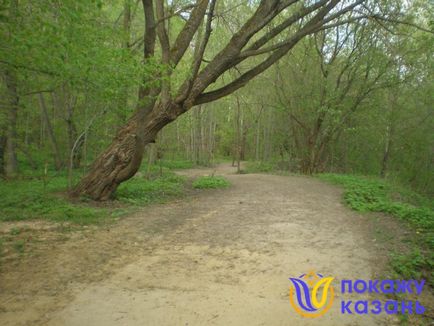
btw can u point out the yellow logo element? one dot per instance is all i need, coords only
(311, 295)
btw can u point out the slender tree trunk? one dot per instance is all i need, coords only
(267, 137)
(238, 148)
(389, 135)
(386, 153)
(211, 140)
(10, 162)
(2, 154)
(385, 160)
(75, 143)
(151, 159)
(243, 142)
(53, 140)
(126, 43)
(197, 135)
(10, 154)
(178, 138)
(127, 23)
(258, 139)
(191, 138)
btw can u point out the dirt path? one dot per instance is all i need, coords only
(221, 257)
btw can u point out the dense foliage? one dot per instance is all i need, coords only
(44, 199)
(355, 98)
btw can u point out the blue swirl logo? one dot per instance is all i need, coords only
(311, 295)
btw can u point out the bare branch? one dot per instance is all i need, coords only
(204, 43)
(165, 47)
(288, 22)
(149, 39)
(176, 13)
(265, 12)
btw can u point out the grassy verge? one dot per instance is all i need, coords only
(41, 199)
(259, 167)
(172, 165)
(276, 167)
(34, 197)
(210, 182)
(375, 195)
(141, 191)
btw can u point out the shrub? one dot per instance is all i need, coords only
(139, 191)
(210, 182)
(258, 167)
(376, 195)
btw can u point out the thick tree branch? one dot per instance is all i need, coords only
(176, 13)
(150, 35)
(186, 35)
(165, 49)
(265, 12)
(201, 51)
(287, 23)
(149, 39)
(198, 53)
(309, 28)
(400, 22)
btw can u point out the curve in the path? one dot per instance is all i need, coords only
(229, 263)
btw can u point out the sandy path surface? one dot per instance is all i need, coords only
(221, 257)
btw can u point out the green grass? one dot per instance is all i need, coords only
(365, 194)
(210, 182)
(165, 166)
(375, 195)
(410, 266)
(19, 246)
(33, 197)
(259, 167)
(176, 165)
(139, 191)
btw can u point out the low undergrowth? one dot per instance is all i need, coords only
(210, 182)
(376, 195)
(259, 167)
(44, 197)
(141, 191)
(41, 199)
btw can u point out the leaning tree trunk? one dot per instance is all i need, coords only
(122, 159)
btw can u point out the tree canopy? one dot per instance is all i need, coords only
(311, 86)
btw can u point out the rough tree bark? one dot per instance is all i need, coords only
(122, 159)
